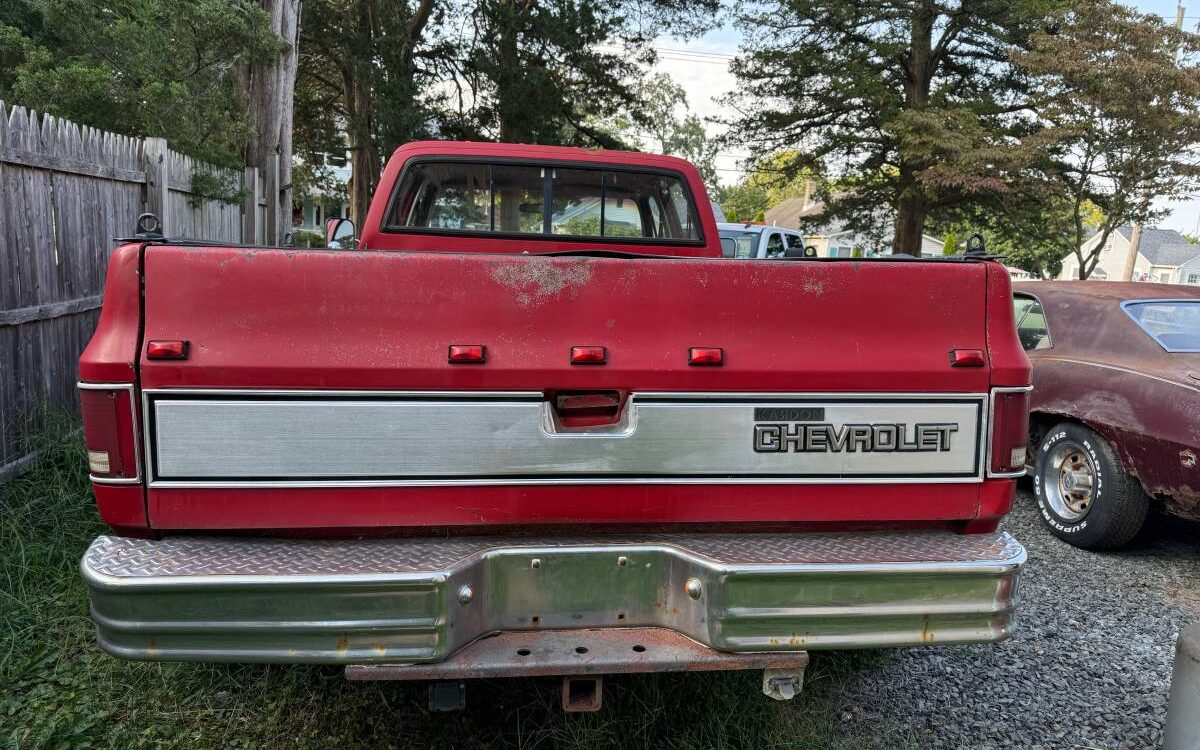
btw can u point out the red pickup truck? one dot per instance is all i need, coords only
(535, 423)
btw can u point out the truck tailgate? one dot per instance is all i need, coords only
(317, 390)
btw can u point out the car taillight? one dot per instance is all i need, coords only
(109, 431)
(1010, 430)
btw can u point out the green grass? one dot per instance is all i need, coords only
(57, 689)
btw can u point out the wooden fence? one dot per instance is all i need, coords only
(66, 192)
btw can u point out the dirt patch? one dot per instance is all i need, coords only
(535, 280)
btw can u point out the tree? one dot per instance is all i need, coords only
(677, 131)
(362, 83)
(1119, 101)
(138, 67)
(773, 179)
(550, 72)
(913, 105)
(268, 87)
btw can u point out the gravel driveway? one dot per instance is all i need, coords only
(1089, 666)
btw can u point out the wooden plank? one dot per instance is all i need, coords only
(71, 166)
(158, 202)
(49, 311)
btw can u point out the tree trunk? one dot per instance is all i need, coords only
(510, 131)
(269, 89)
(913, 205)
(360, 122)
(910, 223)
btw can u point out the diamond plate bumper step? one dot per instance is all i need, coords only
(419, 601)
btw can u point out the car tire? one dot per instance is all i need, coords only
(1083, 492)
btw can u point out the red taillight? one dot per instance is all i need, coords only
(108, 431)
(588, 355)
(1010, 430)
(167, 350)
(467, 354)
(706, 355)
(967, 358)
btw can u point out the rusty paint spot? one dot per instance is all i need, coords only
(343, 644)
(533, 280)
(152, 646)
(379, 648)
(926, 632)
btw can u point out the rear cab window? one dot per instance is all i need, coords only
(531, 199)
(1174, 324)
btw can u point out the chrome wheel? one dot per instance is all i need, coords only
(1069, 480)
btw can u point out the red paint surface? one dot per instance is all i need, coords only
(311, 319)
(559, 505)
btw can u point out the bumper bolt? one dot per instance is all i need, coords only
(622, 560)
(693, 588)
(465, 595)
(535, 563)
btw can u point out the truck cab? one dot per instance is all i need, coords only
(753, 240)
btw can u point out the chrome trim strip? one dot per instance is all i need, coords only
(1162, 300)
(137, 431)
(991, 420)
(1126, 370)
(618, 432)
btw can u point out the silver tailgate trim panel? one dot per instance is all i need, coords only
(245, 438)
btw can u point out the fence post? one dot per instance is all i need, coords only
(250, 206)
(274, 236)
(155, 154)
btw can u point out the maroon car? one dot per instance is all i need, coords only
(1115, 412)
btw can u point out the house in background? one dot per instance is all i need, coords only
(1164, 256)
(834, 240)
(310, 211)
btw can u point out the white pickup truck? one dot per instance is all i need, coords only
(761, 241)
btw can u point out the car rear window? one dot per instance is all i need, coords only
(529, 199)
(747, 242)
(1174, 324)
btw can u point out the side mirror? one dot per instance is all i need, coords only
(728, 247)
(339, 233)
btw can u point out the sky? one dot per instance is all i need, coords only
(701, 67)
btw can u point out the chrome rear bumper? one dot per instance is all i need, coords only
(421, 600)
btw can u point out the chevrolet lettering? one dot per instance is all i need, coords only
(852, 438)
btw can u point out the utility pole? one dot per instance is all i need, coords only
(1135, 236)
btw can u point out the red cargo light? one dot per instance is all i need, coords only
(706, 355)
(108, 431)
(1010, 430)
(967, 358)
(588, 355)
(167, 350)
(467, 354)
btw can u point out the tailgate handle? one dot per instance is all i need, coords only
(582, 409)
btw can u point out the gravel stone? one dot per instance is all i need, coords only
(1088, 666)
